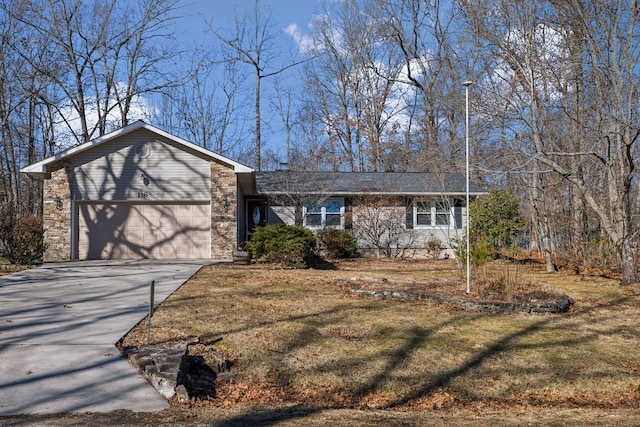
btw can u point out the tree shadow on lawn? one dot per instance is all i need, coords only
(318, 263)
(509, 343)
(415, 338)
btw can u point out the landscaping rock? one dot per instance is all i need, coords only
(15, 267)
(221, 364)
(225, 378)
(561, 305)
(172, 371)
(161, 364)
(183, 395)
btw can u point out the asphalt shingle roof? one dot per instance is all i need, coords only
(358, 183)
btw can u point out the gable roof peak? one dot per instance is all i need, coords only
(40, 169)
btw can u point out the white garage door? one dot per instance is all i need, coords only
(132, 231)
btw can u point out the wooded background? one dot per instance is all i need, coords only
(376, 85)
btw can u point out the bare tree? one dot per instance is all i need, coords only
(112, 54)
(25, 120)
(592, 146)
(252, 41)
(10, 99)
(352, 85)
(283, 104)
(206, 109)
(435, 63)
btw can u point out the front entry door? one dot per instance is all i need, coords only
(257, 213)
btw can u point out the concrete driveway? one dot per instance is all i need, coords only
(58, 327)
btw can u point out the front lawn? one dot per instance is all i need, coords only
(296, 337)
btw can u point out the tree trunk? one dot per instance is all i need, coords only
(628, 263)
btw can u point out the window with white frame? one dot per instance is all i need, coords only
(433, 213)
(328, 213)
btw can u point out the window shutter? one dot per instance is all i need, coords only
(348, 209)
(457, 212)
(409, 214)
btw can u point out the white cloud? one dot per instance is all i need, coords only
(542, 55)
(312, 42)
(304, 42)
(68, 129)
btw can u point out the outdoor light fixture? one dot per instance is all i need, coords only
(58, 202)
(225, 203)
(466, 89)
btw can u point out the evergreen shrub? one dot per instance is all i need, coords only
(289, 245)
(338, 243)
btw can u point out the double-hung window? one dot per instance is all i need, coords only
(328, 213)
(432, 213)
(442, 213)
(422, 213)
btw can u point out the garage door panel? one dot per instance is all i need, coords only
(115, 251)
(150, 215)
(197, 240)
(129, 231)
(136, 219)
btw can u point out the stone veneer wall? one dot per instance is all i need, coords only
(56, 217)
(224, 222)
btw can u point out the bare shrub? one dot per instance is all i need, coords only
(22, 238)
(507, 282)
(433, 247)
(381, 224)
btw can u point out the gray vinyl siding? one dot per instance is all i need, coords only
(406, 236)
(140, 166)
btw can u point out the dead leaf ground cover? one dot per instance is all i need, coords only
(297, 339)
(7, 268)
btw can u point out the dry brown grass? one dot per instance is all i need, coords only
(296, 338)
(7, 268)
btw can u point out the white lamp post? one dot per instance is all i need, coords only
(466, 88)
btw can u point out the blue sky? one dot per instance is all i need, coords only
(192, 32)
(284, 12)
